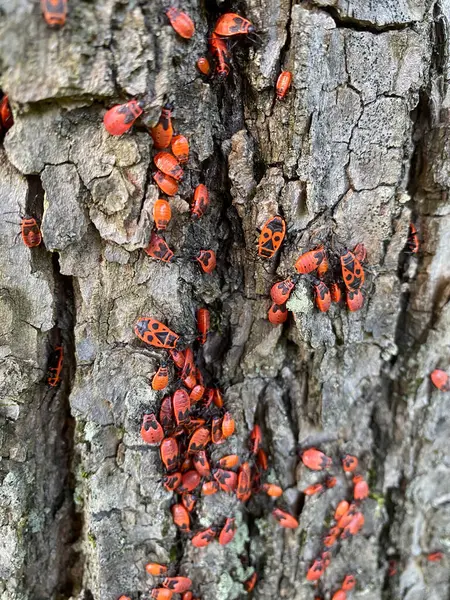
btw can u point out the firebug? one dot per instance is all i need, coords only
(189, 481)
(315, 459)
(208, 398)
(324, 266)
(167, 184)
(209, 488)
(440, 380)
(435, 556)
(165, 413)
(218, 398)
(55, 364)
(196, 393)
(163, 131)
(227, 532)
(219, 49)
(309, 261)
(316, 570)
(354, 526)
(271, 237)
(162, 213)
(227, 425)
(203, 66)
(216, 430)
(169, 453)
(361, 489)
(189, 381)
(251, 582)
(244, 491)
(201, 201)
(189, 365)
(203, 322)
(171, 481)
(277, 314)
(272, 490)
(155, 333)
(169, 165)
(330, 482)
(200, 461)
(161, 378)
(199, 440)
(354, 300)
(255, 439)
(285, 519)
(194, 424)
(335, 292)
(360, 252)
(262, 459)
(232, 24)
(155, 569)
(228, 462)
(120, 118)
(178, 357)
(207, 260)
(181, 406)
(180, 148)
(349, 583)
(322, 295)
(188, 501)
(178, 585)
(158, 248)
(6, 116)
(413, 239)
(331, 538)
(347, 517)
(281, 291)
(55, 12)
(352, 271)
(204, 538)
(187, 463)
(283, 84)
(181, 22)
(227, 480)
(349, 463)
(315, 488)
(181, 517)
(392, 568)
(151, 431)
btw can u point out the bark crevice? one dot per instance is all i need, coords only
(348, 22)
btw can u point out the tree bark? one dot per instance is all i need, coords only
(357, 150)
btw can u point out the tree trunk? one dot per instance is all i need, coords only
(357, 150)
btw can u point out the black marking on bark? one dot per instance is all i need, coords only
(423, 191)
(112, 47)
(419, 188)
(346, 22)
(53, 566)
(391, 500)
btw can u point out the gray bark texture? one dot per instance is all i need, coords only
(359, 148)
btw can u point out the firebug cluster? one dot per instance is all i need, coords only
(193, 419)
(191, 422)
(338, 276)
(348, 518)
